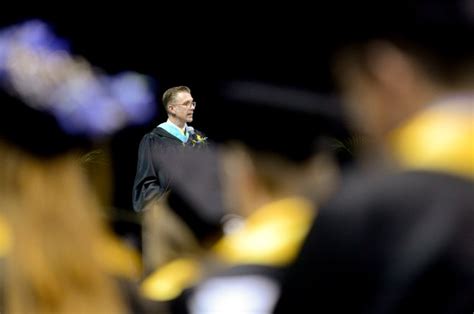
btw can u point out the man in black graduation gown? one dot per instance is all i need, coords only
(151, 181)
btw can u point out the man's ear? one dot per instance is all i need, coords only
(403, 85)
(391, 69)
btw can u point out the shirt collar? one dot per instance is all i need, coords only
(174, 130)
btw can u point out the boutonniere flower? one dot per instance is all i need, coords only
(198, 139)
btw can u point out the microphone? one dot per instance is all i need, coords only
(190, 130)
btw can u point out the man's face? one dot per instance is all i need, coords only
(183, 107)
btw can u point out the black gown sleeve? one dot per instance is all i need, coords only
(150, 182)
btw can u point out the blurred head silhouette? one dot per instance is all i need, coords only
(55, 106)
(404, 57)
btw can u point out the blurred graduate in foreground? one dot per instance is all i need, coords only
(58, 255)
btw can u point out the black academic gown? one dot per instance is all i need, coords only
(150, 180)
(402, 243)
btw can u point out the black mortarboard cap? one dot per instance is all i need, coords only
(53, 101)
(195, 189)
(290, 121)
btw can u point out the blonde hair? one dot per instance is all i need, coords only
(165, 236)
(54, 265)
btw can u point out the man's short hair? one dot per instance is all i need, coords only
(170, 94)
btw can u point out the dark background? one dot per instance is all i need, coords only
(183, 45)
(180, 46)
